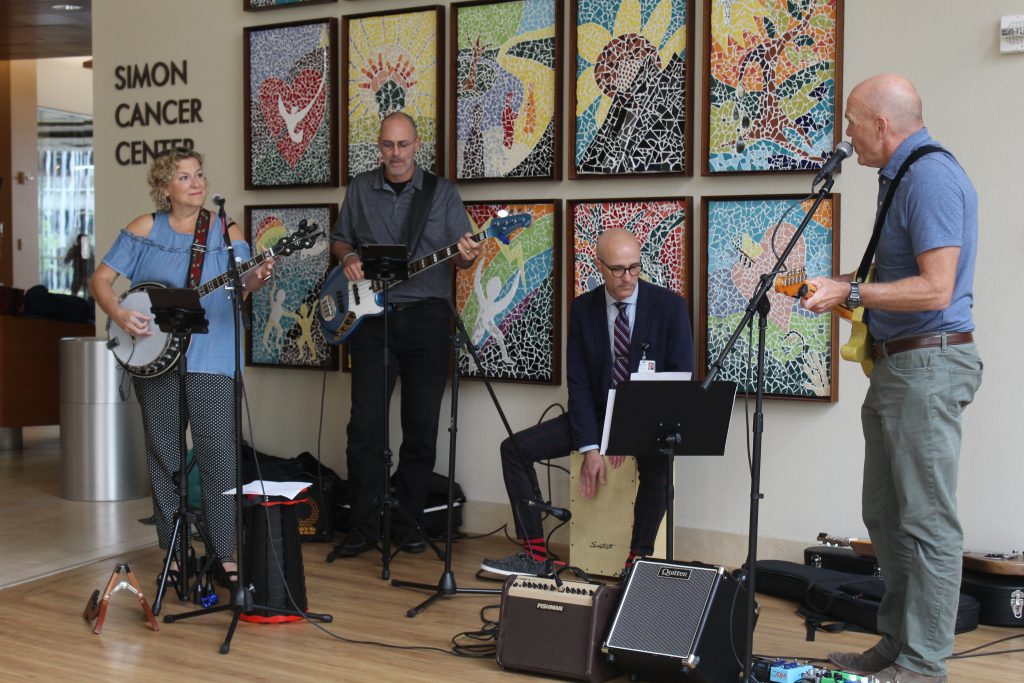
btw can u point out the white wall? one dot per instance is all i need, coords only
(64, 84)
(812, 453)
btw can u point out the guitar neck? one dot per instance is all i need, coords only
(225, 277)
(442, 255)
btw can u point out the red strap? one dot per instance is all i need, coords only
(195, 264)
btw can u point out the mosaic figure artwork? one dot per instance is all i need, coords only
(290, 128)
(284, 331)
(772, 78)
(506, 90)
(251, 5)
(509, 299)
(742, 242)
(391, 64)
(632, 87)
(661, 225)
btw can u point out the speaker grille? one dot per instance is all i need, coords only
(663, 609)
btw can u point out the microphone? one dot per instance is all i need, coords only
(218, 199)
(842, 151)
(561, 514)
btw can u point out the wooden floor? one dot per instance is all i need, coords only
(43, 635)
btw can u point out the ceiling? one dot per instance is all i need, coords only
(33, 29)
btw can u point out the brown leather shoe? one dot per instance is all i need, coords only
(899, 674)
(865, 663)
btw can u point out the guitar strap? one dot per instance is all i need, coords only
(876, 233)
(195, 264)
(419, 211)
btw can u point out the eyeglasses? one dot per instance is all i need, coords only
(619, 271)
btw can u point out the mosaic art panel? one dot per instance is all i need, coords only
(773, 73)
(509, 299)
(505, 85)
(661, 225)
(284, 330)
(391, 64)
(632, 87)
(741, 243)
(291, 104)
(253, 5)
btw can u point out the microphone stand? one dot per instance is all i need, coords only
(241, 597)
(759, 304)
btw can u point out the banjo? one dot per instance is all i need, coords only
(156, 354)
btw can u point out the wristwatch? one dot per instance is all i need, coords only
(853, 301)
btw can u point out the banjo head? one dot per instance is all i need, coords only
(142, 356)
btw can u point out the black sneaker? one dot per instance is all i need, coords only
(353, 544)
(520, 563)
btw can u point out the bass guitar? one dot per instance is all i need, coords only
(859, 347)
(156, 354)
(1004, 564)
(344, 304)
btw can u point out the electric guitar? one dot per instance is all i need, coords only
(859, 347)
(344, 304)
(1005, 564)
(157, 353)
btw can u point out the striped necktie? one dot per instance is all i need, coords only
(620, 368)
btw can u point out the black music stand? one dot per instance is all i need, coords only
(178, 313)
(654, 418)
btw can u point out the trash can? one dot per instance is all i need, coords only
(102, 444)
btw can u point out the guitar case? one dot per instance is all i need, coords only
(840, 559)
(1001, 597)
(835, 601)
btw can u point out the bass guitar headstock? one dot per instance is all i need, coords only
(502, 227)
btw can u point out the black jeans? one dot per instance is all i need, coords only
(419, 352)
(553, 439)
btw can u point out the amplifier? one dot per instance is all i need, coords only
(679, 622)
(556, 629)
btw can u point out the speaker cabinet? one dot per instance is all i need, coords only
(555, 627)
(679, 622)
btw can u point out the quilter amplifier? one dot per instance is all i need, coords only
(679, 622)
(556, 628)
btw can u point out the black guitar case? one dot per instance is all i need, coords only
(834, 601)
(1001, 597)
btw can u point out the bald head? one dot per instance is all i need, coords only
(882, 112)
(618, 249)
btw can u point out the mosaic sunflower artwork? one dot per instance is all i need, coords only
(743, 237)
(773, 73)
(633, 87)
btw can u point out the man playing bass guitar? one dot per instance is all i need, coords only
(926, 372)
(377, 210)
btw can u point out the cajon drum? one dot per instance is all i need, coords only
(601, 527)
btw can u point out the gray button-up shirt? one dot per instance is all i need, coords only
(373, 214)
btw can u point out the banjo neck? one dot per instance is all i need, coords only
(216, 283)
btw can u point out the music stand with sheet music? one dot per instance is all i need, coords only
(178, 313)
(670, 418)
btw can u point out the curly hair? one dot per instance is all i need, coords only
(162, 170)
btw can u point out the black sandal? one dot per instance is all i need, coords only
(228, 579)
(173, 579)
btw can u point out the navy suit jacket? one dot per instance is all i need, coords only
(661, 322)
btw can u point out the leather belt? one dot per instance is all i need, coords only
(930, 341)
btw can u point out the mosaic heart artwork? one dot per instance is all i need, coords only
(294, 111)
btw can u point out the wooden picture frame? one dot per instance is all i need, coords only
(632, 99)
(663, 225)
(773, 85)
(392, 61)
(741, 241)
(506, 90)
(293, 291)
(291, 105)
(260, 5)
(510, 299)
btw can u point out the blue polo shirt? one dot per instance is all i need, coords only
(935, 206)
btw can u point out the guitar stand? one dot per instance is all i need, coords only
(122, 578)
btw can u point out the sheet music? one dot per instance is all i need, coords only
(636, 376)
(287, 489)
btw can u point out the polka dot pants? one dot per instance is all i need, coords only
(211, 417)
